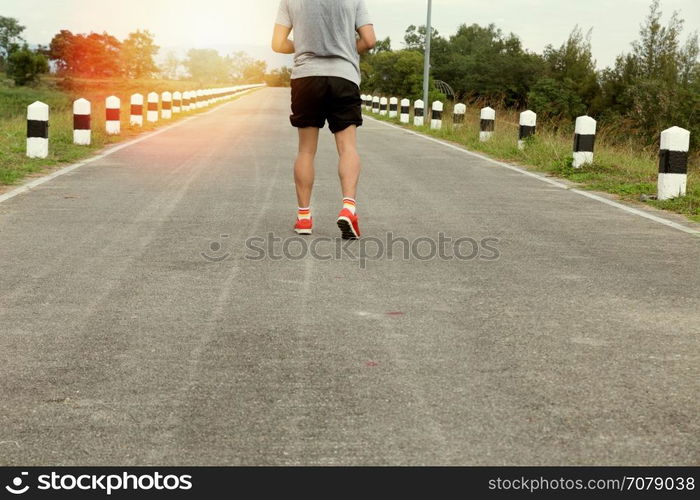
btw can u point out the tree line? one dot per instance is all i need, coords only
(655, 85)
(101, 55)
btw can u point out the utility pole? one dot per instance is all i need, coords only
(426, 64)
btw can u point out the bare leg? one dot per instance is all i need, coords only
(304, 165)
(349, 160)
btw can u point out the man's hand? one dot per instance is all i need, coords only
(280, 40)
(367, 39)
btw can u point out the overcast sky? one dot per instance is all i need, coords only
(202, 23)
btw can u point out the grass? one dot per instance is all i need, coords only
(14, 165)
(627, 170)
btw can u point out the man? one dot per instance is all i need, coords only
(325, 87)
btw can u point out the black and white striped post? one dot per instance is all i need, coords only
(405, 110)
(364, 101)
(82, 134)
(166, 105)
(177, 102)
(487, 123)
(436, 118)
(458, 115)
(528, 126)
(38, 130)
(673, 163)
(418, 112)
(393, 107)
(375, 104)
(584, 141)
(136, 110)
(152, 112)
(113, 123)
(383, 106)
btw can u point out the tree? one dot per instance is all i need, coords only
(656, 85)
(170, 66)
(483, 63)
(382, 46)
(570, 84)
(398, 73)
(10, 31)
(279, 77)
(414, 38)
(551, 97)
(207, 66)
(24, 65)
(137, 54)
(93, 55)
(245, 69)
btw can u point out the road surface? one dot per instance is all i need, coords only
(136, 328)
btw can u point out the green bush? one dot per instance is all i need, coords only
(24, 66)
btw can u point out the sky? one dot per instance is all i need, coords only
(230, 25)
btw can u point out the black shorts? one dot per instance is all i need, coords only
(316, 99)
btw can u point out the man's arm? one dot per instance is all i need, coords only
(367, 39)
(280, 40)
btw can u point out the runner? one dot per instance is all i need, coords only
(325, 87)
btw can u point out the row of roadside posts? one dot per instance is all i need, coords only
(156, 107)
(673, 154)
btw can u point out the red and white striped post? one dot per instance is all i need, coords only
(166, 100)
(136, 111)
(177, 102)
(112, 115)
(152, 114)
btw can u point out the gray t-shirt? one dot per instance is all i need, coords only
(324, 36)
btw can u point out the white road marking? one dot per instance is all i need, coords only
(628, 209)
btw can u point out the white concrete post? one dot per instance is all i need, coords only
(458, 115)
(82, 134)
(113, 123)
(364, 101)
(418, 112)
(152, 113)
(186, 101)
(369, 102)
(200, 98)
(405, 110)
(528, 126)
(487, 123)
(673, 163)
(177, 102)
(436, 118)
(375, 104)
(383, 106)
(584, 140)
(166, 105)
(393, 107)
(136, 111)
(38, 130)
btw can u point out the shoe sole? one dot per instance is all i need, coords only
(303, 231)
(346, 229)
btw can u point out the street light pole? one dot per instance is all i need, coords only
(426, 63)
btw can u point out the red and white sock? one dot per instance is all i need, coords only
(304, 213)
(349, 203)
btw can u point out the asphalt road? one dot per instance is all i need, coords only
(135, 329)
